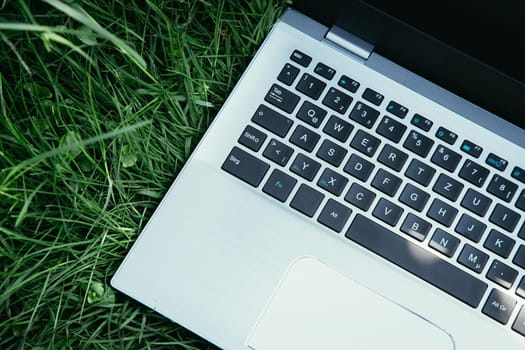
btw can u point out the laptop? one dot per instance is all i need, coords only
(363, 187)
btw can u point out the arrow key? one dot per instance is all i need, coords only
(499, 306)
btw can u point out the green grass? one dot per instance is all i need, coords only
(101, 103)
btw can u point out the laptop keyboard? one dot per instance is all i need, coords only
(350, 157)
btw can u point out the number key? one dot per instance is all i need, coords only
(502, 188)
(418, 143)
(391, 129)
(446, 158)
(364, 115)
(474, 173)
(337, 100)
(310, 86)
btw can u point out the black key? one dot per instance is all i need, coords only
(444, 242)
(304, 138)
(348, 83)
(519, 258)
(420, 172)
(496, 162)
(448, 187)
(473, 258)
(519, 324)
(498, 243)
(397, 109)
(359, 167)
(310, 86)
(387, 212)
(476, 202)
(288, 74)
(245, 166)
(520, 202)
(360, 196)
(502, 274)
(471, 148)
(338, 128)
(364, 114)
(521, 288)
(504, 217)
(305, 167)
(334, 215)
(386, 182)
(365, 143)
(442, 212)
(331, 152)
(499, 306)
(311, 114)
(502, 188)
(470, 228)
(446, 158)
(415, 260)
(278, 152)
(416, 227)
(324, 71)
(373, 96)
(332, 182)
(337, 100)
(519, 174)
(282, 98)
(521, 232)
(252, 138)
(272, 121)
(307, 200)
(391, 129)
(446, 135)
(301, 58)
(414, 197)
(474, 173)
(421, 122)
(392, 157)
(418, 143)
(279, 185)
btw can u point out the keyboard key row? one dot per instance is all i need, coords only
(384, 181)
(365, 115)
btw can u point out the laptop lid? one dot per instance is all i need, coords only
(471, 48)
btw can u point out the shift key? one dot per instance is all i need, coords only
(245, 166)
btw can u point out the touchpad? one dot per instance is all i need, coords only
(316, 307)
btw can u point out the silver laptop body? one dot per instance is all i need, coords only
(233, 259)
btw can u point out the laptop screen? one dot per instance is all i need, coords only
(470, 47)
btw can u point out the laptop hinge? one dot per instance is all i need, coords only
(349, 42)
